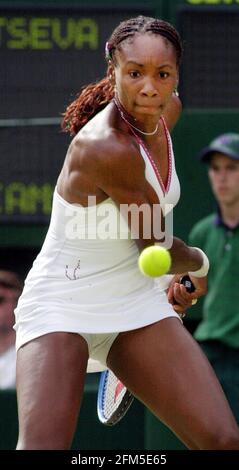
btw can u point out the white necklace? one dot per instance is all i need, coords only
(122, 114)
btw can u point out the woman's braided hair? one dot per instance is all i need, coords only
(94, 97)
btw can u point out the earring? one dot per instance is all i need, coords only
(112, 79)
(175, 92)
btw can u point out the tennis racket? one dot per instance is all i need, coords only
(113, 400)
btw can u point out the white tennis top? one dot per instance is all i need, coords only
(86, 277)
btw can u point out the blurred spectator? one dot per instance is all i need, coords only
(10, 289)
(218, 235)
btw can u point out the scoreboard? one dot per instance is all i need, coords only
(47, 54)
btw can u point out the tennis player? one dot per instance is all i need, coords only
(85, 297)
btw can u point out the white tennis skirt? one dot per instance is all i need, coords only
(98, 324)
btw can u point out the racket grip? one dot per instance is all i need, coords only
(186, 281)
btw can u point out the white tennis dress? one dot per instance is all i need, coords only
(86, 277)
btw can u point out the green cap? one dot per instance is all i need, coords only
(228, 144)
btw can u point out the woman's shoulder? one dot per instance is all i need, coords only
(103, 143)
(106, 159)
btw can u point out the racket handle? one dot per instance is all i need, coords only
(186, 281)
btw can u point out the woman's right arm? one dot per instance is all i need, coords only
(117, 169)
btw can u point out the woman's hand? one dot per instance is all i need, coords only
(178, 295)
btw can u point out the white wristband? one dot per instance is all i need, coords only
(202, 272)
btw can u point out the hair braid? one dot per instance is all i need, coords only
(90, 101)
(141, 25)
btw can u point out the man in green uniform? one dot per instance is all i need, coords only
(218, 235)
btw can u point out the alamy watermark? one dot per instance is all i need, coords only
(105, 221)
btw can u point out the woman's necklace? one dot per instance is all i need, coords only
(123, 112)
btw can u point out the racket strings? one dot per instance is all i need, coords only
(114, 392)
(114, 399)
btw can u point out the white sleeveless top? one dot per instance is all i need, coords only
(86, 277)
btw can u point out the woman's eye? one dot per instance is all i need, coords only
(134, 74)
(163, 74)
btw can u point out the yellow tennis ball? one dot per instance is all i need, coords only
(154, 261)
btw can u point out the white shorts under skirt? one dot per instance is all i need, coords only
(99, 344)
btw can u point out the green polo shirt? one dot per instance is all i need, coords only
(220, 315)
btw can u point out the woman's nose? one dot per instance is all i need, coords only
(149, 90)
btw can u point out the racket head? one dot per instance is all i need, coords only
(113, 400)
